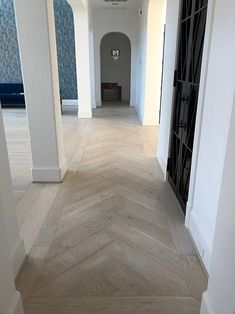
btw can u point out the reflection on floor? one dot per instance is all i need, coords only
(112, 238)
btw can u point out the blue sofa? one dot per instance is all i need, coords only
(11, 94)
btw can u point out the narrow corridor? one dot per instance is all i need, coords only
(114, 240)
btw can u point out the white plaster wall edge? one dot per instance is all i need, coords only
(49, 174)
(170, 59)
(206, 306)
(200, 109)
(18, 257)
(163, 165)
(145, 121)
(85, 114)
(63, 168)
(160, 169)
(201, 245)
(139, 113)
(150, 121)
(189, 208)
(16, 307)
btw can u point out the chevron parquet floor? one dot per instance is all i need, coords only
(113, 240)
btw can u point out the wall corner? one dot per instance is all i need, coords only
(206, 306)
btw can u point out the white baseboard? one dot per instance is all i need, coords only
(206, 307)
(149, 121)
(73, 105)
(63, 168)
(162, 165)
(132, 104)
(17, 306)
(146, 121)
(49, 174)
(139, 113)
(202, 247)
(70, 105)
(18, 257)
(84, 114)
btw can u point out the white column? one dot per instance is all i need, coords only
(155, 32)
(83, 57)
(92, 66)
(37, 43)
(83, 64)
(8, 207)
(172, 18)
(10, 300)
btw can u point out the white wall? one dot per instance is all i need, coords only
(218, 102)
(219, 297)
(116, 71)
(10, 299)
(8, 208)
(153, 60)
(142, 49)
(214, 110)
(165, 123)
(150, 49)
(171, 33)
(12, 252)
(116, 20)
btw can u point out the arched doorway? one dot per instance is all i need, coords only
(115, 60)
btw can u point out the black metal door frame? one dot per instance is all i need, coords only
(192, 22)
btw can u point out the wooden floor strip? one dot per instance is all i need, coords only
(110, 238)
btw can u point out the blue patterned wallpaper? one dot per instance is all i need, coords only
(10, 69)
(66, 49)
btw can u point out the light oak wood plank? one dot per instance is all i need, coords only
(110, 238)
(122, 305)
(195, 276)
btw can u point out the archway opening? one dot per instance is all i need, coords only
(115, 55)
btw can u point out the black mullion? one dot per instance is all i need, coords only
(179, 62)
(189, 43)
(200, 52)
(195, 40)
(190, 49)
(186, 184)
(196, 11)
(186, 143)
(195, 106)
(183, 63)
(191, 83)
(174, 176)
(202, 8)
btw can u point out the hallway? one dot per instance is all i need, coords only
(114, 240)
